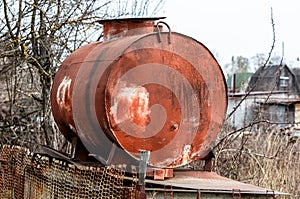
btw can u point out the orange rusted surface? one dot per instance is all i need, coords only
(117, 28)
(161, 174)
(136, 92)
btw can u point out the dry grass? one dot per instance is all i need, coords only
(270, 159)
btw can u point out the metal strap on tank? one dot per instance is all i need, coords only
(159, 34)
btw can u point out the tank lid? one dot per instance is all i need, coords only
(136, 19)
(121, 27)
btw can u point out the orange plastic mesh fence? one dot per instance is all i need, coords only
(34, 176)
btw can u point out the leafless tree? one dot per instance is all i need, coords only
(36, 36)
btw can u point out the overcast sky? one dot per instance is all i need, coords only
(238, 27)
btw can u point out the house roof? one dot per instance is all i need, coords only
(266, 78)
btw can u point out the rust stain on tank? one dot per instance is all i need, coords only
(118, 28)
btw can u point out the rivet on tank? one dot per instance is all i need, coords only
(143, 87)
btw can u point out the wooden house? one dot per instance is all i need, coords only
(274, 78)
(272, 95)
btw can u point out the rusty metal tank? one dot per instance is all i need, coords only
(141, 88)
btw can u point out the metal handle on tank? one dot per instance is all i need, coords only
(159, 34)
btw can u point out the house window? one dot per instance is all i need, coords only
(283, 81)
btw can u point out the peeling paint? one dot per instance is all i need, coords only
(131, 103)
(185, 154)
(63, 95)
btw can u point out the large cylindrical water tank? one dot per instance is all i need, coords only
(141, 88)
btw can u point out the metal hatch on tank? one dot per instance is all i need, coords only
(141, 88)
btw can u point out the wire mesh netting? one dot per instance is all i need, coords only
(34, 176)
